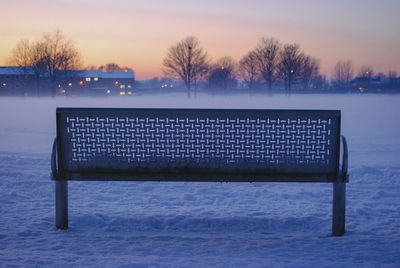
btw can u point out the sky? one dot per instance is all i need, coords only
(137, 34)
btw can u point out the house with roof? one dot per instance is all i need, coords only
(15, 80)
(24, 81)
(97, 83)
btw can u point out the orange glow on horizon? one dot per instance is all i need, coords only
(138, 34)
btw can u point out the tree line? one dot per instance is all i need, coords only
(53, 56)
(269, 64)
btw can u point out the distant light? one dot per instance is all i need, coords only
(122, 93)
(129, 86)
(222, 67)
(291, 71)
(165, 85)
(87, 79)
(108, 91)
(126, 71)
(122, 86)
(116, 83)
(81, 83)
(366, 72)
(362, 90)
(62, 91)
(96, 79)
(59, 85)
(129, 93)
(69, 84)
(4, 84)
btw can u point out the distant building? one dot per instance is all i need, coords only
(96, 82)
(24, 81)
(375, 84)
(15, 80)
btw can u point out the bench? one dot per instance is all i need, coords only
(210, 145)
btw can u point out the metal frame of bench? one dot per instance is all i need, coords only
(213, 145)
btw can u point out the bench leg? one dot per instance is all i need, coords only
(62, 205)
(339, 208)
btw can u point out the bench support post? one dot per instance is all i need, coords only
(62, 205)
(339, 208)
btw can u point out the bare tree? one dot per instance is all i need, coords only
(248, 68)
(290, 62)
(39, 57)
(28, 55)
(343, 73)
(60, 56)
(21, 54)
(348, 72)
(198, 73)
(366, 72)
(223, 73)
(92, 68)
(320, 81)
(21, 57)
(267, 52)
(54, 55)
(309, 70)
(113, 67)
(186, 61)
(392, 75)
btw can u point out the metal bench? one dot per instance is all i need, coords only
(213, 145)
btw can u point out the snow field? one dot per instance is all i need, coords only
(155, 224)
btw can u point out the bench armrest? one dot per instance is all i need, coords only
(345, 159)
(54, 160)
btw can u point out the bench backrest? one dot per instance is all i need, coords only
(201, 141)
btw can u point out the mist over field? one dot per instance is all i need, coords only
(365, 118)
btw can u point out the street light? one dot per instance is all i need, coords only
(189, 69)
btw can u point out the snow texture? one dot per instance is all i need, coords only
(155, 224)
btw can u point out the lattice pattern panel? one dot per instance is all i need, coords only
(226, 143)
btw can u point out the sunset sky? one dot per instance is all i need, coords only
(138, 33)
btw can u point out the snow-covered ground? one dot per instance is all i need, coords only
(141, 224)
